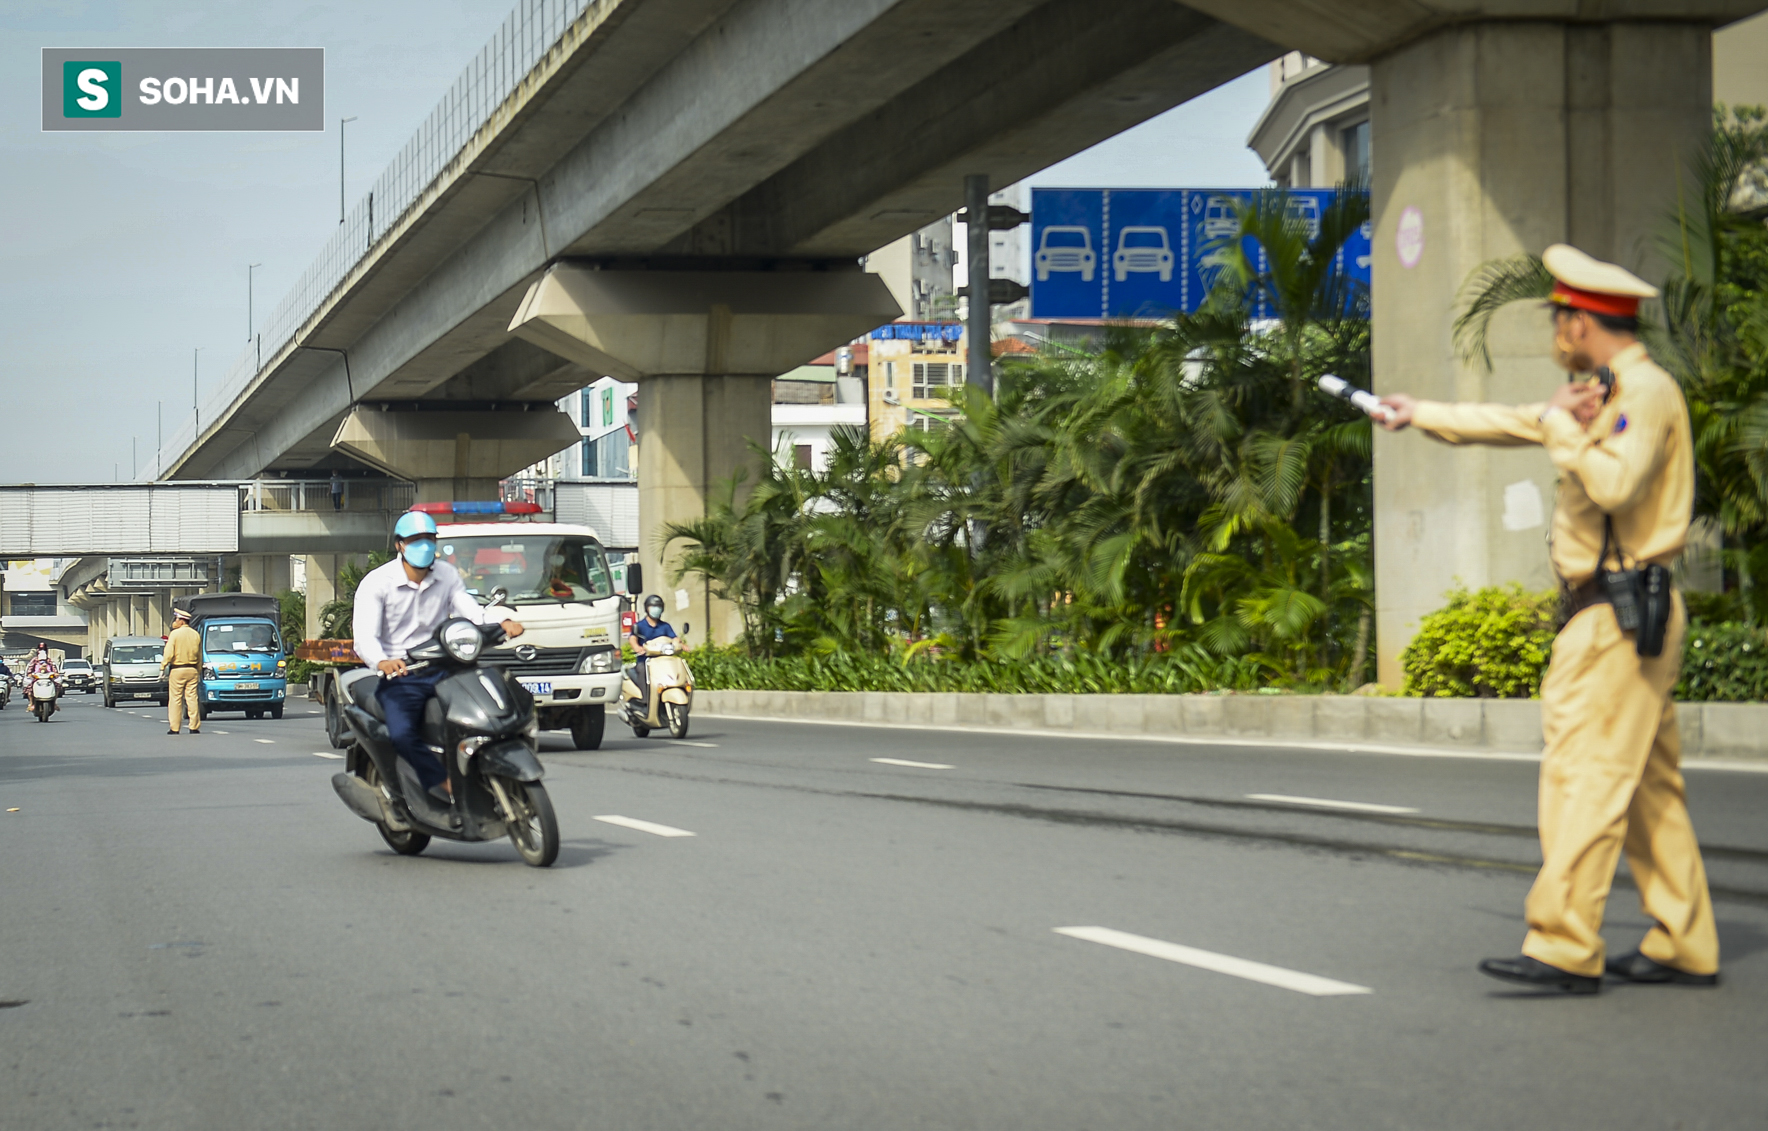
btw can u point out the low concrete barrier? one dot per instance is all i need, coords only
(1709, 730)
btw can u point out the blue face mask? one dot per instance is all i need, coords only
(420, 552)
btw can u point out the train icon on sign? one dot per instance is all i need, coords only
(1065, 247)
(1144, 250)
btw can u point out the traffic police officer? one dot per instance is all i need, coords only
(1610, 776)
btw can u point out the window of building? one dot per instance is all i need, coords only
(607, 457)
(583, 417)
(801, 456)
(890, 374)
(932, 376)
(1356, 153)
(33, 604)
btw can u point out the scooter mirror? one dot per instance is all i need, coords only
(498, 596)
(686, 628)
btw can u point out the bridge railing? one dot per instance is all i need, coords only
(316, 495)
(521, 43)
(528, 490)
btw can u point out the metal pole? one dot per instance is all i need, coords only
(195, 413)
(976, 324)
(159, 435)
(250, 267)
(341, 122)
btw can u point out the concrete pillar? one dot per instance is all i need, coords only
(1489, 139)
(322, 587)
(158, 619)
(696, 433)
(704, 347)
(263, 573)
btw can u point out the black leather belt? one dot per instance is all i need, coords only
(186, 665)
(1580, 597)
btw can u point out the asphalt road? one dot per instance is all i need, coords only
(196, 934)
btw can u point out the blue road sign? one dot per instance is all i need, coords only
(1145, 253)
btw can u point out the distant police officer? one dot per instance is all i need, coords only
(1610, 776)
(181, 663)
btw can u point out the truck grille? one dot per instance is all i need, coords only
(546, 661)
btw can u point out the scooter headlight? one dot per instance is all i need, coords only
(462, 640)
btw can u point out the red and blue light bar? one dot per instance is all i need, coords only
(477, 507)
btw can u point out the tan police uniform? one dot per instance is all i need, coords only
(1610, 777)
(184, 657)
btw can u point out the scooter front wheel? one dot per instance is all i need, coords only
(534, 830)
(678, 719)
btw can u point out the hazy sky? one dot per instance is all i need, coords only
(121, 253)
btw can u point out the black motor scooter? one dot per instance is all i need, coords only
(483, 726)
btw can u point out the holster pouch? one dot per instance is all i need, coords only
(1655, 602)
(1641, 599)
(1622, 587)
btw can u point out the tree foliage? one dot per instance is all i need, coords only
(1179, 493)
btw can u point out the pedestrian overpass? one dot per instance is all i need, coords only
(139, 547)
(680, 191)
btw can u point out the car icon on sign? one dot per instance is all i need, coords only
(1065, 247)
(1143, 250)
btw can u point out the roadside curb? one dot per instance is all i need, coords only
(1714, 735)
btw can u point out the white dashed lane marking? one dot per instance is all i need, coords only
(265, 741)
(1311, 984)
(913, 765)
(643, 826)
(327, 754)
(1324, 803)
(685, 742)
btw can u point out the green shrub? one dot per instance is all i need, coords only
(1163, 673)
(1724, 663)
(1490, 644)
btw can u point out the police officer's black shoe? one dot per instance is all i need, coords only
(1526, 971)
(1635, 967)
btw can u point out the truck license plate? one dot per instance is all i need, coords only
(245, 687)
(537, 686)
(141, 695)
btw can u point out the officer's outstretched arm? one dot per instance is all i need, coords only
(1499, 425)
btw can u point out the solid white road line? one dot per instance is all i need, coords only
(1295, 980)
(642, 826)
(1323, 803)
(914, 765)
(265, 741)
(327, 754)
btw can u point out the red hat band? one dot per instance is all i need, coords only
(1624, 306)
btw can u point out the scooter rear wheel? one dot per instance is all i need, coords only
(407, 843)
(534, 830)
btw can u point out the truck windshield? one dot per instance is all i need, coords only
(136, 654)
(537, 569)
(251, 636)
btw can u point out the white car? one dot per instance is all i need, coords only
(1065, 247)
(1143, 250)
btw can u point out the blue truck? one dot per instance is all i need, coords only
(245, 659)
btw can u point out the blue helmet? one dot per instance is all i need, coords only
(413, 523)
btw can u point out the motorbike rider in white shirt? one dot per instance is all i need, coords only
(398, 606)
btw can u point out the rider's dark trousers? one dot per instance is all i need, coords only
(402, 701)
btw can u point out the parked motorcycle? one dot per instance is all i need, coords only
(44, 692)
(670, 696)
(483, 726)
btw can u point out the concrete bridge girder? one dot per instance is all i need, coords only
(835, 138)
(454, 454)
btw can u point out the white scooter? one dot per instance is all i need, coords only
(44, 692)
(671, 694)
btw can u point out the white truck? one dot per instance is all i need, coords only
(560, 586)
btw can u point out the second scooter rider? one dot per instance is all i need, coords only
(398, 606)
